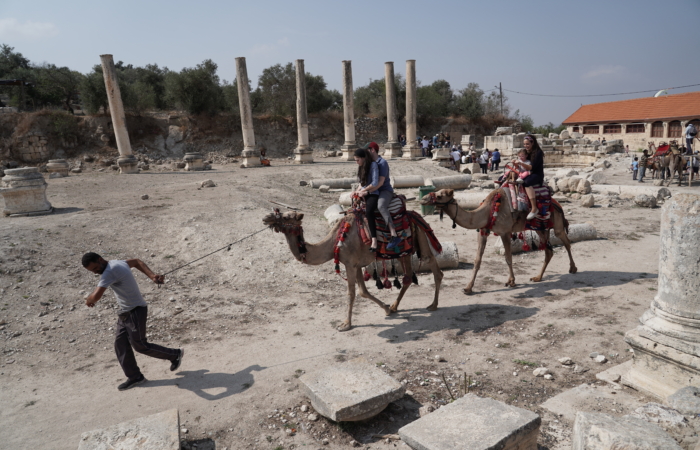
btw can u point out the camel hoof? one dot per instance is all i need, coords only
(432, 308)
(536, 279)
(467, 291)
(344, 326)
(573, 270)
(390, 311)
(510, 284)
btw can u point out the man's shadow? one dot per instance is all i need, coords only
(199, 381)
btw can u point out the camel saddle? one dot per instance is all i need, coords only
(402, 224)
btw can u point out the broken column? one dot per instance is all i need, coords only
(24, 191)
(302, 154)
(349, 146)
(667, 343)
(59, 166)
(126, 161)
(193, 161)
(475, 423)
(250, 155)
(355, 390)
(392, 149)
(412, 149)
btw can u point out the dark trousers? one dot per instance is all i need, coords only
(689, 146)
(130, 336)
(494, 165)
(371, 205)
(484, 168)
(642, 172)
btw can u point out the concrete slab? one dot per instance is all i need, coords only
(156, 432)
(593, 431)
(613, 375)
(593, 399)
(474, 423)
(351, 391)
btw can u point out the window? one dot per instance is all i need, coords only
(591, 129)
(612, 129)
(674, 129)
(635, 128)
(574, 130)
(657, 129)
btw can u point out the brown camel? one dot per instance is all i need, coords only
(669, 164)
(506, 223)
(354, 255)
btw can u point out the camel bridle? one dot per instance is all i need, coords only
(289, 229)
(441, 206)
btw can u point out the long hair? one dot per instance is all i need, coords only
(363, 170)
(535, 147)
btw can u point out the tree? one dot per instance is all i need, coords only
(371, 99)
(57, 85)
(276, 93)
(93, 94)
(469, 102)
(196, 89)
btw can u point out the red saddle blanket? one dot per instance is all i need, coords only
(543, 220)
(661, 151)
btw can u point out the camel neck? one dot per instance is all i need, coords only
(316, 254)
(471, 220)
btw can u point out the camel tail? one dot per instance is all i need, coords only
(558, 207)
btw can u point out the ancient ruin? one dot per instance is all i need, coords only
(24, 192)
(349, 146)
(392, 148)
(250, 155)
(411, 150)
(303, 154)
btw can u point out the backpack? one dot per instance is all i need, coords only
(693, 131)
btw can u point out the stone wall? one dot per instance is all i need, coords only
(32, 147)
(636, 141)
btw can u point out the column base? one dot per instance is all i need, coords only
(194, 161)
(128, 164)
(392, 150)
(348, 152)
(251, 158)
(303, 156)
(412, 152)
(659, 370)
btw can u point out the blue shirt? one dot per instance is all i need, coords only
(496, 156)
(384, 172)
(635, 165)
(373, 176)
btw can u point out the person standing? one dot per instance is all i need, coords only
(690, 133)
(130, 331)
(424, 146)
(495, 160)
(635, 168)
(456, 157)
(643, 165)
(484, 161)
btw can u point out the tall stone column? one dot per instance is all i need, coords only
(250, 155)
(412, 149)
(349, 146)
(302, 154)
(667, 343)
(392, 149)
(126, 161)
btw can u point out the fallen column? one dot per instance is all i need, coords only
(24, 191)
(450, 182)
(349, 146)
(193, 161)
(126, 161)
(626, 191)
(392, 149)
(577, 232)
(667, 344)
(447, 259)
(250, 155)
(58, 166)
(470, 200)
(407, 181)
(333, 183)
(412, 149)
(333, 214)
(302, 154)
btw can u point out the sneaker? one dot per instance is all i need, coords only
(519, 181)
(176, 363)
(394, 242)
(128, 384)
(531, 215)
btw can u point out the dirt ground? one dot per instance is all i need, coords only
(253, 319)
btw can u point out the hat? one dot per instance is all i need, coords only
(374, 146)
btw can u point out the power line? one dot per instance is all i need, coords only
(600, 95)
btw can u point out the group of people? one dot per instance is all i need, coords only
(441, 140)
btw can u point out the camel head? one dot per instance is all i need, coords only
(289, 222)
(439, 198)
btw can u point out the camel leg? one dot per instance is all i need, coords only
(505, 238)
(352, 276)
(477, 263)
(548, 253)
(564, 238)
(437, 277)
(366, 294)
(406, 262)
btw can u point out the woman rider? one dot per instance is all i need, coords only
(536, 168)
(373, 175)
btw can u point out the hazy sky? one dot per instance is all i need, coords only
(537, 46)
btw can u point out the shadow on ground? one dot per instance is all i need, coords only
(211, 386)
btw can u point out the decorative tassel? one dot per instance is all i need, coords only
(340, 244)
(397, 284)
(337, 268)
(387, 284)
(454, 224)
(406, 279)
(414, 278)
(366, 275)
(380, 285)
(526, 248)
(374, 275)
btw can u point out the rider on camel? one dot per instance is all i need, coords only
(536, 168)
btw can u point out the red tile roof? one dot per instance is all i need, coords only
(647, 109)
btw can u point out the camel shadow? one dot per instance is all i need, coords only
(201, 381)
(419, 323)
(584, 280)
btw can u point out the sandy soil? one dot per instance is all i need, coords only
(253, 319)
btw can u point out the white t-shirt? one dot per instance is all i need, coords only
(455, 155)
(118, 276)
(484, 158)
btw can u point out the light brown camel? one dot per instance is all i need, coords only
(506, 223)
(670, 163)
(354, 255)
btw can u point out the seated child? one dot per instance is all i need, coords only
(511, 173)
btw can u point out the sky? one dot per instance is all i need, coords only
(554, 47)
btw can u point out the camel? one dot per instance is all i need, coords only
(354, 255)
(670, 163)
(506, 223)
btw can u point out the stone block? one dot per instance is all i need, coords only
(156, 432)
(588, 201)
(474, 423)
(663, 415)
(324, 189)
(596, 431)
(565, 173)
(451, 182)
(686, 400)
(407, 181)
(333, 214)
(351, 391)
(645, 201)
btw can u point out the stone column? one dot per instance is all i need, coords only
(302, 154)
(392, 149)
(667, 343)
(412, 149)
(127, 163)
(250, 155)
(24, 192)
(349, 146)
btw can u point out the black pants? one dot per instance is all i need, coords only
(371, 203)
(484, 168)
(130, 336)
(494, 165)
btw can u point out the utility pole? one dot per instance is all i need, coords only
(500, 88)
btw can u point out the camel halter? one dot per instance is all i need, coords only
(442, 206)
(294, 230)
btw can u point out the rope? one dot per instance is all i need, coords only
(228, 246)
